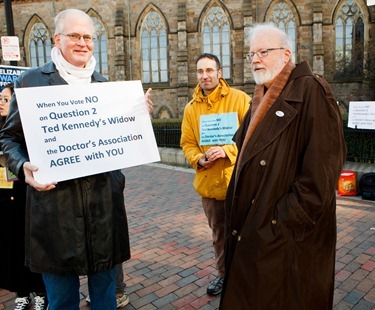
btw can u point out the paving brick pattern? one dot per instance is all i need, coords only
(172, 257)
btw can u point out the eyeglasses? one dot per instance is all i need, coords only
(208, 71)
(75, 37)
(4, 100)
(262, 53)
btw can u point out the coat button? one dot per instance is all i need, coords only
(252, 201)
(239, 238)
(234, 232)
(280, 113)
(12, 198)
(262, 162)
(274, 222)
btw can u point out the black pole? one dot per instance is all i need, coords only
(9, 22)
(9, 17)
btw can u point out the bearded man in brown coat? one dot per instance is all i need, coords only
(281, 202)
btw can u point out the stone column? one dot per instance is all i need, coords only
(248, 22)
(119, 57)
(182, 60)
(318, 47)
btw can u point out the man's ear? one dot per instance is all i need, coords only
(56, 38)
(220, 73)
(287, 55)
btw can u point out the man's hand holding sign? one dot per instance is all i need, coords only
(73, 130)
(68, 123)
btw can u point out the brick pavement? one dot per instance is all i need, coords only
(172, 256)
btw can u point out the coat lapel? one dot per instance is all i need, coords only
(278, 117)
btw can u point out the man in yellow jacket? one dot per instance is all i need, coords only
(210, 120)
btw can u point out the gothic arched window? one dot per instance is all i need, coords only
(349, 31)
(40, 45)
(282, 16)
(216, 37)
(154, 49)
(101, 47)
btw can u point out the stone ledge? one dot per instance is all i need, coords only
(175, 157)
(360, 169)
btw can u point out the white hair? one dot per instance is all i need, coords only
(285, 40)
(61, 17)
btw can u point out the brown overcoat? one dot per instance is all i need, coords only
(281, 204)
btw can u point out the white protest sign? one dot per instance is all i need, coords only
(11, 48)
(218, 129)
(362, 114)
(78, 130)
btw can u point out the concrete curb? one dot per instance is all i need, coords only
(175, 157)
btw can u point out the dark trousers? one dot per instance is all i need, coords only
(214, 210)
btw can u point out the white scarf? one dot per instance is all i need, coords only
(72, 74)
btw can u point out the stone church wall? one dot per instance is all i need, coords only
(123, 18)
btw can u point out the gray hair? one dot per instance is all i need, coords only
(61, 17)
(285, 40)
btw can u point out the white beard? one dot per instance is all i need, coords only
(267, 75)
(262, 77)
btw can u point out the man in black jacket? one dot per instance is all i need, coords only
(79, 226)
